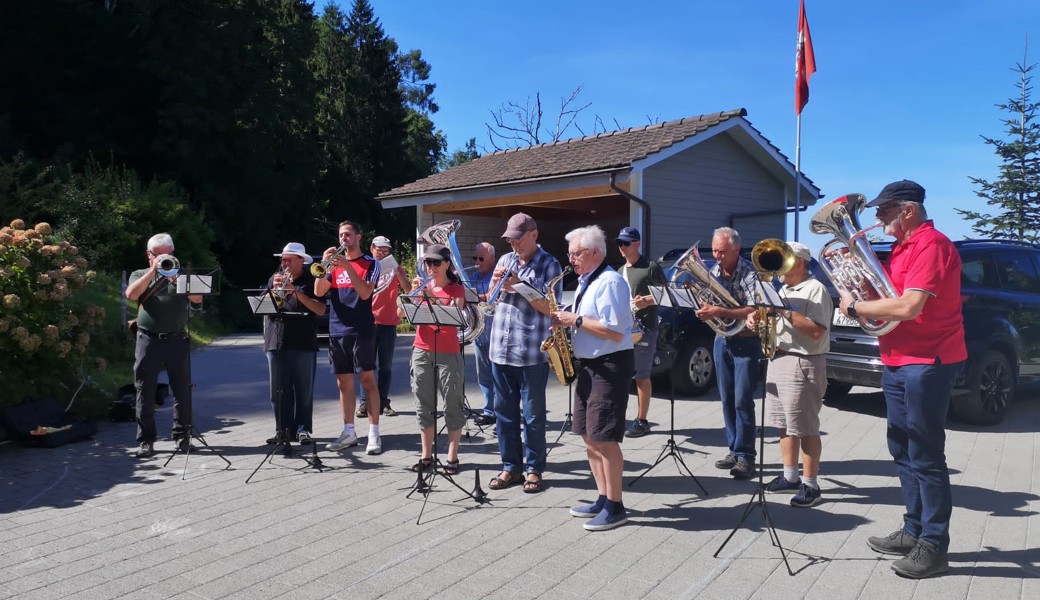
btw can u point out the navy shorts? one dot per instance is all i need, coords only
(349, 354)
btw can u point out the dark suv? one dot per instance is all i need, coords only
(1000, 288)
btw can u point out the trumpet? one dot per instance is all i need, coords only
(278, 293)
(488, 306)
(167, 265)
(320, 269)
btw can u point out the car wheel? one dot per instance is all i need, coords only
(990, 391)
(837, 390)
(693, 373)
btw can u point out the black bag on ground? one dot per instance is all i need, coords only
(46, 417)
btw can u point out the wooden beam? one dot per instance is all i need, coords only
(583, 193)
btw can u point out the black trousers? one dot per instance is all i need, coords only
(151, 355)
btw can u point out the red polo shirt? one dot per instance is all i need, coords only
(927, 261)
(448, 338)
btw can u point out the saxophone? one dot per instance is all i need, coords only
(557, 346)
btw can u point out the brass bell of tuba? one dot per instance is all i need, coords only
(849, 261)
(444, 233)
(772, 258)
(708, 290)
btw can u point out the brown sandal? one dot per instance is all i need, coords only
(451, 467)
(501, 483)
(533, 486)
(425, 465)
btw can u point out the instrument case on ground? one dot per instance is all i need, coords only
(47, 417)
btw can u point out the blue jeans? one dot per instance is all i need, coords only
(737, 374)
(917, 398)
(516, 388)
(485, 379)
(292, 389)
(386, 337)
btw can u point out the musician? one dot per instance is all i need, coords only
(291, 345)
(352, 349)
(518, 365)
(797, 378)
(384, 308)
(162, 342)
(736, 357)
(484, 261)
(601, 324)
(437, 368)
(641, 273)
(922, 357)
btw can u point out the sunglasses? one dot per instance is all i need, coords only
(623, 244)
(478, 258)
(433, 262)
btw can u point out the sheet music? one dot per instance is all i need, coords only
(420, 312)
(527, 291)
(767, 296)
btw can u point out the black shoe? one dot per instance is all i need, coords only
(899, 543)
(744, 468)
(639, 428)
(924, 560)
(146, 450)
(275, 439)
(483, 420)
(726, 463)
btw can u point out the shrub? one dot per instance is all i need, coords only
(45, 330)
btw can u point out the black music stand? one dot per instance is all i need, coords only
(265, 302)
(419, 310)
(675, 298)
(769, 299)
(191, 284)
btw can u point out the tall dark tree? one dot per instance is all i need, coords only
(1015, 193)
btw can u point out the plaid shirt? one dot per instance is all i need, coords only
(518, 330)
(745, 278)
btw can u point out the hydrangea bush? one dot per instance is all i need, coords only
(44, 331)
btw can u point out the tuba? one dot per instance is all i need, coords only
(444, 233)
(848, 259)
(708, 290)
(557, 346)
(772, 258)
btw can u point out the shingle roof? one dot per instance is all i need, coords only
(579, 155)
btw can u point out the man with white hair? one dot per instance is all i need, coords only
(797, 378)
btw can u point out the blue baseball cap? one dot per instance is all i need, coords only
(628, 234)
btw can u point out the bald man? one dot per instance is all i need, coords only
(484, 261)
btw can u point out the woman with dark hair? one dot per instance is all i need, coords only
(437, 362)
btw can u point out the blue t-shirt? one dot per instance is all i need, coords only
(350, 314)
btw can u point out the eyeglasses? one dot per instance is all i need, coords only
(578, 253)
(885, 208)
(623, 244)
(478, 258)
(433, 262)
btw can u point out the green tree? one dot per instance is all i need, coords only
(1015, 193)
(460, 156)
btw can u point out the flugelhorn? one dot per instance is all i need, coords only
(319, 269)
(848, 259)
(772, 258)
(708, 290)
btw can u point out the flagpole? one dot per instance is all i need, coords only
(797, 175)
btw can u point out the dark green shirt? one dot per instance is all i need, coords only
(163, 312)
(640, 277)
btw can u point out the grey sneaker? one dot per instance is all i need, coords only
(375, 444)
(586, 511)
(639, 428)
(781, 485)
(362, 412)
(345, 440)
(806, 497)
(146, 450)
(726, 463)
(899, 543)
(744, 468)
(304, 437)
(924, 560)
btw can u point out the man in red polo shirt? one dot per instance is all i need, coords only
(922, 357)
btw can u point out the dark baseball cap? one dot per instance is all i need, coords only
(518, 225)
(628, 234)
(438, 252)
(903, 190)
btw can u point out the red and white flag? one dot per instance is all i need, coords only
(804, 62)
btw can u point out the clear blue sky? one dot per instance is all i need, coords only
(903, 88)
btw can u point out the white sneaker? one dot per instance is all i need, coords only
(375, 444)
(345, 440)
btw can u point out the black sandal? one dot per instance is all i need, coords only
(451, 467)
(533, 487)
(425, 465)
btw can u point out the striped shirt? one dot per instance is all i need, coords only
(518, 330)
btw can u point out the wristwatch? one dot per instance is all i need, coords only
(578, 322)
(852, 309)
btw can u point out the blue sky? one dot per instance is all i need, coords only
(903, 88)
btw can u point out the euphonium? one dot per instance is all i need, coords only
(849, 260)
(708, 290)
(320, 269)
(444, 234)
(168, 265)
(557, 346)
(772, 258)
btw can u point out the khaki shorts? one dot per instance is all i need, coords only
(794, 393)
